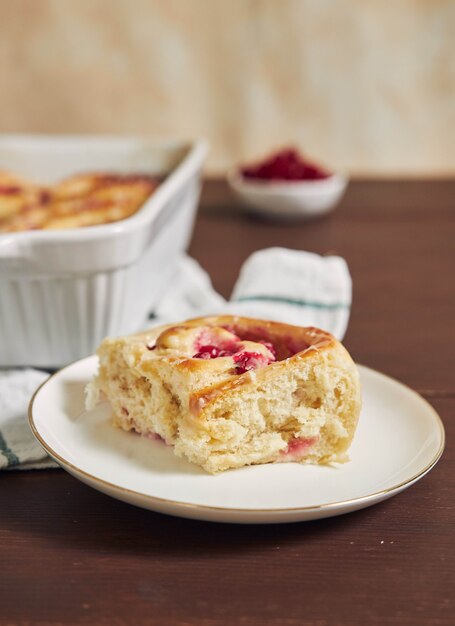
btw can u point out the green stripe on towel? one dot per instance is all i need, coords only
(7, 452)
(295, 302)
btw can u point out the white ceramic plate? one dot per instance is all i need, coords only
(399, 439)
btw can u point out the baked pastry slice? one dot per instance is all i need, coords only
(230, 391)
(82, 200)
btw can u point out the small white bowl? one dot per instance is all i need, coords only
(288, 199)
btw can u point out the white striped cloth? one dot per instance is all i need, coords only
(277, 284)
(18, 447)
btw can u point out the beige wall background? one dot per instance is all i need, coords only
(364, 85)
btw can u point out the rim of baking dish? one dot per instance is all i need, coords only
(197, 150)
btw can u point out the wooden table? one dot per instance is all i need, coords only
(70, 555)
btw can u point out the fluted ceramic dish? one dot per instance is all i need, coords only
(399, 439)
(63, 291)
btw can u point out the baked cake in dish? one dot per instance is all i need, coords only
(231, 391)
(82, 200)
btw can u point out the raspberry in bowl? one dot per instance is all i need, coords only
(287, 185)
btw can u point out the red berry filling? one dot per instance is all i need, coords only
(213, 352)
(298, 446)
(287, 164)
(247, 361)
(270, 347)
(207, 340)
(155, 437)
(244, 361)
(9, 190)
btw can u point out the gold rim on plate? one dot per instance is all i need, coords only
(205, 507)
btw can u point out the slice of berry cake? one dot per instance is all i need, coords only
(81, 200)
(230, 391)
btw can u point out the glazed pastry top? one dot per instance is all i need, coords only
(225, 346)
(82, 200)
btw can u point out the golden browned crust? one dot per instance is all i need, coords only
(278, 332)
(82, 200)
(290, 342)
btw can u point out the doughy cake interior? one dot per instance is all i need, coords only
(289, 406)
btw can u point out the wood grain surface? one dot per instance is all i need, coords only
(70, 555)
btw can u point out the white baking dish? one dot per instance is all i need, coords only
(61, 292)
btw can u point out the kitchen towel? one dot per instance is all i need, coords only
(277, 283)
(18, 447)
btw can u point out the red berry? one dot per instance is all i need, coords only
(287, 164)
(207, 352)
(270, 347)
(246, 361)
